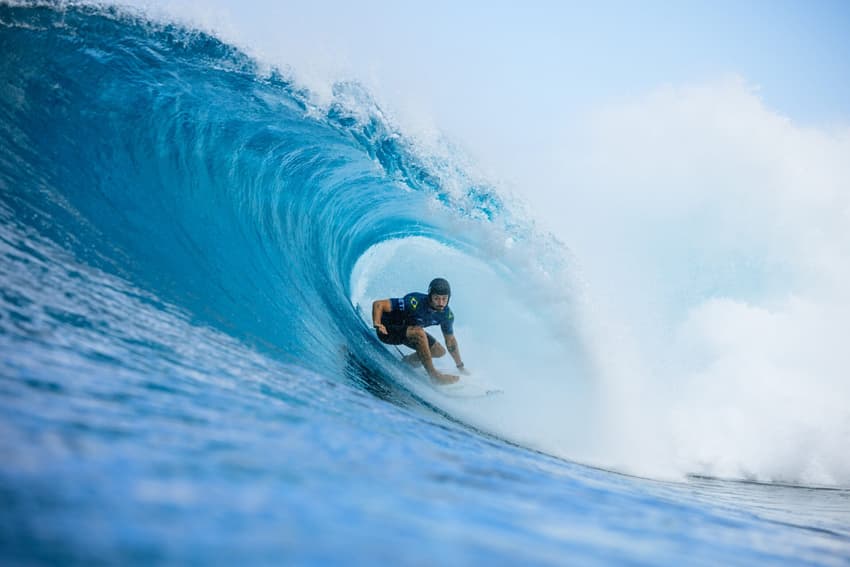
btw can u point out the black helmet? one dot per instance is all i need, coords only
(439, 286)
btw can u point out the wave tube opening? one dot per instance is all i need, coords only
(503, 338)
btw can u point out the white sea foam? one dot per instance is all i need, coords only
(714, 236)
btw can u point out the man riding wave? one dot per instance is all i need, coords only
(402, 320)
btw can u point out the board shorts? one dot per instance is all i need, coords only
(397, 335)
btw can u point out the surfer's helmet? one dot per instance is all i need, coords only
(439, 286)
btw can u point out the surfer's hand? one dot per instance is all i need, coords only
(381, 329)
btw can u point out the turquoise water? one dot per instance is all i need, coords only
(184, 376)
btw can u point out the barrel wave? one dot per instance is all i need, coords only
(217, 189)
(186, 238)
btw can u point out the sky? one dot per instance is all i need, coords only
(506, 69)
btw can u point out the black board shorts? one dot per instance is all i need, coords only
(397, 335)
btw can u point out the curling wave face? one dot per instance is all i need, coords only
(169, 160)
(174, 163)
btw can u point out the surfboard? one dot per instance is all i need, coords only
(468, 385)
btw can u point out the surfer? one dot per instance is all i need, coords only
(402, 320)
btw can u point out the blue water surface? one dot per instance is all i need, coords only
(183, 378)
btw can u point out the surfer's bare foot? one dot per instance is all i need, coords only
(445, 378)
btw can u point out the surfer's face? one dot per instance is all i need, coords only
(439, 302)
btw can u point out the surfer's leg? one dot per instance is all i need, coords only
(437, 350)
(412, 359)
(417, 339)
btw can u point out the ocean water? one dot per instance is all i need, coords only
(185, 377)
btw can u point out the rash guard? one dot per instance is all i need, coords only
(414, 309)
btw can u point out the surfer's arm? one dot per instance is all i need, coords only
(379, 307)
(451, 346)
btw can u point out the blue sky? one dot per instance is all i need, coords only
(556, 53)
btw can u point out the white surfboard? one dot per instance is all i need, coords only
(467, 386)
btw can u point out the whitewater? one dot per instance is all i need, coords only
(190, 237)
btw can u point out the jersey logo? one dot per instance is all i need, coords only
(413, 302)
